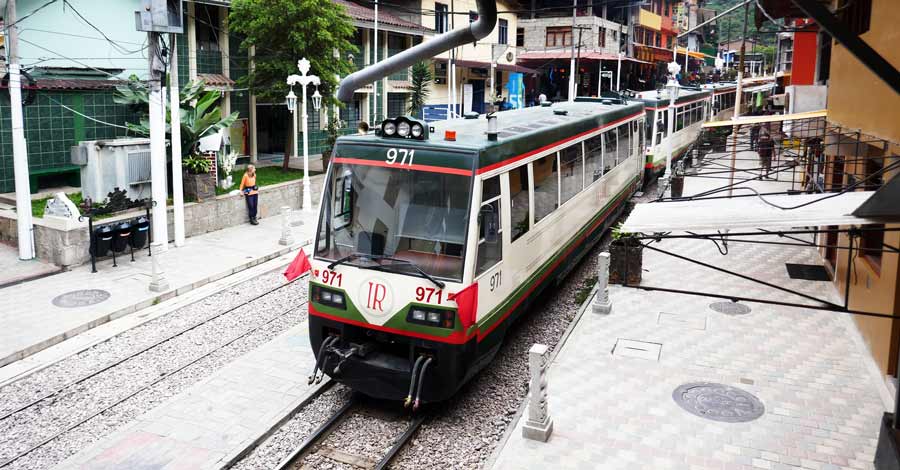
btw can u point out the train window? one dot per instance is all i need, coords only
(570, 171)
(546, 186)
(624, 144)
(490, 240)
(609, 149)
(593, 159)
(519, 202)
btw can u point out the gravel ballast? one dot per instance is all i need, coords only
(272, 313)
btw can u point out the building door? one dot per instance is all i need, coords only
(831, 240)
(478, 96)
(273, 122)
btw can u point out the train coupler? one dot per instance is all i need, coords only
(342, 354)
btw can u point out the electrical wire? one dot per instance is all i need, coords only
(114, 44)
(6, 27)
(85, 115)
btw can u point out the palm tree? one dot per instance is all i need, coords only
(421, 80)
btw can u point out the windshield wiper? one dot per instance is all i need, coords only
(419, 271)
(351, 257)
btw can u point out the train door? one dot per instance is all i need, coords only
(492, 237)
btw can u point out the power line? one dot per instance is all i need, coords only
(114, 44)
(6, 27)
(86, 116)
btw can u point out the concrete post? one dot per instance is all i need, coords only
(287, 237)
(158, 281)
(661, 185)
(175, 112)
(539, 425)
(602, 303)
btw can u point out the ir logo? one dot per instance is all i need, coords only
(375, 296)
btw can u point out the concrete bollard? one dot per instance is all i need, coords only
(287, 236)
(602, 304)
(539, 425)
(297, 216)
(661, 185)
(158, 281)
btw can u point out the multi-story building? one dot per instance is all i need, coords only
(861, 143)
(655, 34)
(594, 36)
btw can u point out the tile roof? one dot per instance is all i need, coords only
(361, 13)
(68, 84)
(216, 80)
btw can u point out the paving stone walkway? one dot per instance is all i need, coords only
(613, 407)
(209, 425)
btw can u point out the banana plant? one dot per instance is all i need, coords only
(200, 115)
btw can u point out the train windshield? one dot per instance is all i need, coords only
(415, 216)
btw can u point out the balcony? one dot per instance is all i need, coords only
(650, 20)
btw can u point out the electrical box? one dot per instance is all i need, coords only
(160, 16)
(117, 163)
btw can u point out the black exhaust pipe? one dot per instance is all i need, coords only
(487, 18)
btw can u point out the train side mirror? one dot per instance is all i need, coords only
(490, 223)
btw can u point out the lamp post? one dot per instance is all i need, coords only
(303, 80)
(673, 88)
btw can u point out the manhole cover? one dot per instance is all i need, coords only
(730, 308)
(80, 298)
(718, 402)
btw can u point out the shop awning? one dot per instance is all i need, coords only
(763, 119)
(474, 64)
(694, 54)
(566, 54)
(747, 213)
(754, 89)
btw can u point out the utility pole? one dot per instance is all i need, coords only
(575, 66)
(157, 144)
(24, 228)
(175, 113)
(572, 62)
(737, 103)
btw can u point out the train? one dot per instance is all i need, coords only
(433, 238)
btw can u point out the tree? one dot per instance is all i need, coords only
(200, 116)
(421, 80)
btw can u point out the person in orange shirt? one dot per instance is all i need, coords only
(250, 191)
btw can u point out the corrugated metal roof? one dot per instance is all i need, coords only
(361, 13)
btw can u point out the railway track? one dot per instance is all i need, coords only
(83, 381)
(316, 445)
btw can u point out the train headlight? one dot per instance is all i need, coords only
(328, 297)
(403, 129)
(389, 128)
(439, 318)
(417, 130)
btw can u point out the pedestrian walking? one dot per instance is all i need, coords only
(754, 135)
(250, 191)
(765, 147)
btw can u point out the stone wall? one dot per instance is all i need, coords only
(65, 243)
(536, 33)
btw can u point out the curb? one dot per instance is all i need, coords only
(162, 297)
(513, 424)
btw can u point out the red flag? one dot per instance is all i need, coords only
(467, 302)
(297, 267)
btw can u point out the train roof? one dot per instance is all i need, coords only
(521, 132)
(660, 98)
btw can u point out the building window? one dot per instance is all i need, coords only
(874, 173)
(856, 14)
(519, 202)
(503, 32)
(668, 42)
(559, 36)
(667, 8)
(601, 37)
(871, 244)
(658, 39)
(489, 228)
(441, 18)
(546, 186)
(207, 23)
(520, 37)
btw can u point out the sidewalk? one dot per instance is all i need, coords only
(613, 405)
(212, 424)
(34, 317)
(13, 270)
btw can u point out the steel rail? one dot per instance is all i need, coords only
(161, 378)
(320, 433)
(143, 350)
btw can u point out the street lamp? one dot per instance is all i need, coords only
(673, 89)
(304, 79)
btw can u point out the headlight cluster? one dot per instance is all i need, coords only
(328, 297)
(431, 317)
(403, 127)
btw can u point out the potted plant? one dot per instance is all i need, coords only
(625, 256)
(199, 183)
(226, 165)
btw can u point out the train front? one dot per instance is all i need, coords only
(389, 255)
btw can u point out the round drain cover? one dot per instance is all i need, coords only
(80, 298)
(718, 402)
(730, 308)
